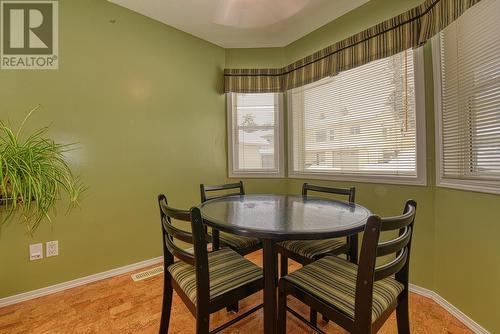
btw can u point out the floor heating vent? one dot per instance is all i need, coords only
(147, 274)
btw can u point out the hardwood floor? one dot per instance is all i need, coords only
(119, 305)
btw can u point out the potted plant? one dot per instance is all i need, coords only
(34, 173)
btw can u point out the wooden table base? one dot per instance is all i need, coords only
(270, 263)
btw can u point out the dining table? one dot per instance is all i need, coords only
(275, 218)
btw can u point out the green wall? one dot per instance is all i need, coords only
(126, 94)
(467, 253)
(143, 100)
(255, 58)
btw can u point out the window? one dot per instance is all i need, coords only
(255, 136)
(467, 74)
(376, 132)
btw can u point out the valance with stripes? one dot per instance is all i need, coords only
(408, 30)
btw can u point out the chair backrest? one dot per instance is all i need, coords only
(372, 248)
(349, 192)
(206, 189)
(170, 233)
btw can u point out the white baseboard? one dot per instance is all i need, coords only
(77, 282)
(464, 318)
(474, 326)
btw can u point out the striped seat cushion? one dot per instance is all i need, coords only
(227, 271)
(333, 280)
(235, 241)
(312, 248)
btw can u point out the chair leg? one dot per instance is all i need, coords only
(284, 265)
(202, 323)
(281, 308)
(233, 308)
(352, 255)
(166, 307)
(325, 319)
(313, 317)
(402, 315)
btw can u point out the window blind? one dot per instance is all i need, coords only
(470, 95)
(361, 121)
(255, 132)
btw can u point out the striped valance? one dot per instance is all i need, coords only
(408, 30)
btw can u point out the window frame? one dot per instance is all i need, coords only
(485, 186)
(421, 162)
(278, 172)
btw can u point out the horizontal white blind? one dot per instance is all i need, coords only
(470, 110)
(361, 121)
(255, 132)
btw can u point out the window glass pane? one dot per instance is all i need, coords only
(470, 87)
(256, 149)
(361, 121)
(255, 110)
(255, 129)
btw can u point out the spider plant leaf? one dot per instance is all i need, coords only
(34, 172)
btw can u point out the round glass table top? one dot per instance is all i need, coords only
(284, 217)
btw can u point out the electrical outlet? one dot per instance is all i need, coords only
(52, 248)
(36, 252)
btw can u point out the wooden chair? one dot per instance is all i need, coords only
(358, 298)
(206, 282)
(241, 245)
(307, 251)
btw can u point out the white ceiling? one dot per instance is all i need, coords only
(244, 23)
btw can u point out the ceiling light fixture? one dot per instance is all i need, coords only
(256, 13)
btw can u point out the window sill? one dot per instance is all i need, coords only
(381, 179)
(256, 175)
(467, 185)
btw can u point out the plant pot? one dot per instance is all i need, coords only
(4, 201)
